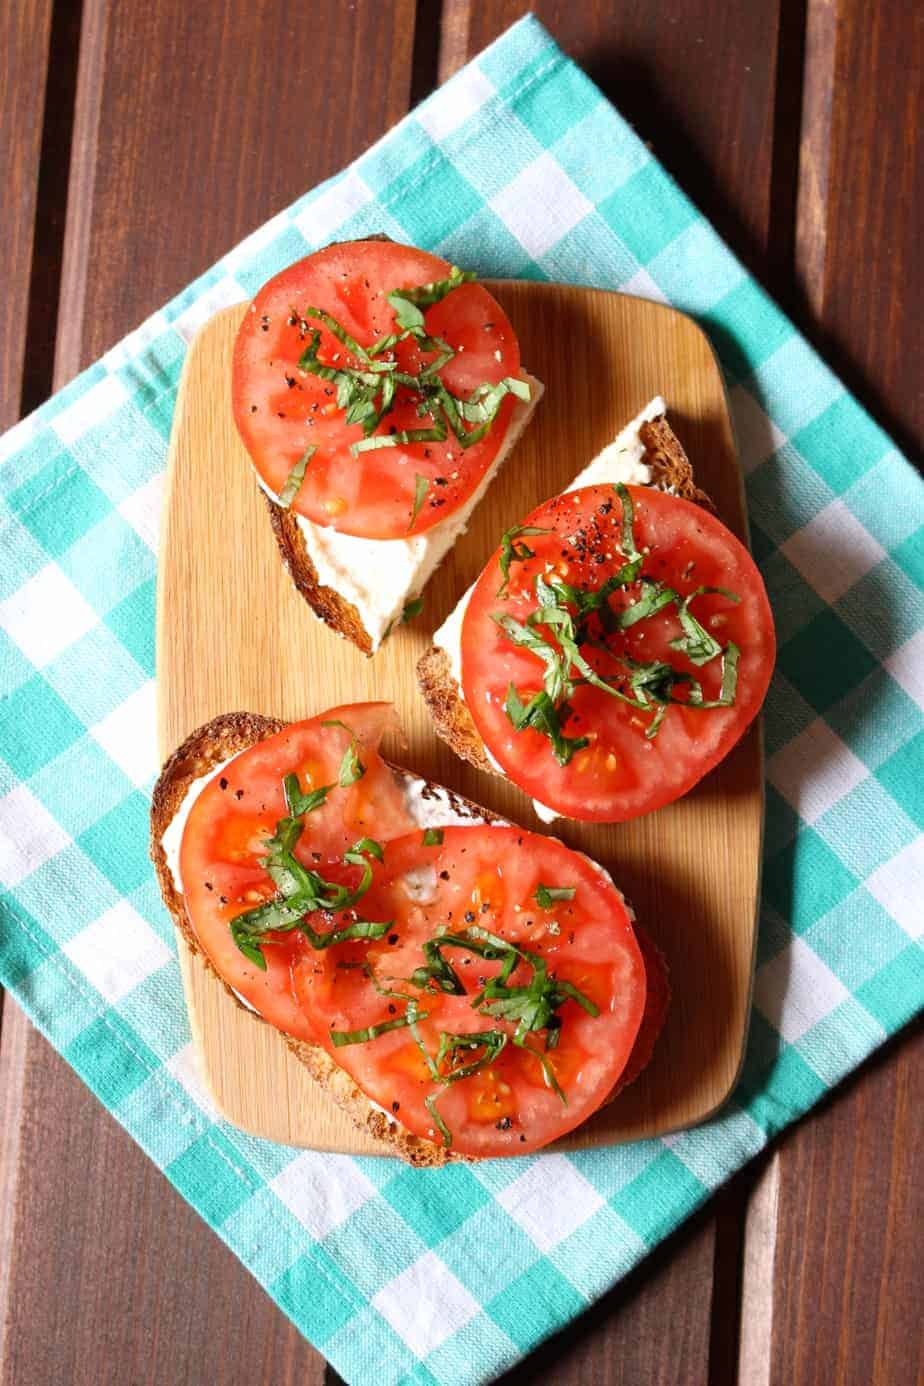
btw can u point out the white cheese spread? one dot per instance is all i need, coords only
(378, 576)
(619, 461)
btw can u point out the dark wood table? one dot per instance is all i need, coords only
(139, 139)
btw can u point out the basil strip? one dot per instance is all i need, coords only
(437, 434)
(351, 767)
(427, 294)
(295, 478)
(512, 552)
(547, 895)
(339, 332)
(696, 643)
(411, 609)
(421, 487)
(430, 1104)
(433, 837)
(628, 518)
(298, 803)
(339, 1038)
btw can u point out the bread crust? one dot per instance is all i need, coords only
(671, 471)
(326, 602)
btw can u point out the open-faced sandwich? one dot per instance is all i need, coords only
(463, 987)
(616, 645)
(377, 389)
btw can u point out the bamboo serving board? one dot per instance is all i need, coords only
(233, 634)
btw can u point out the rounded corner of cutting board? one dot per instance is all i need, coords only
(213, 648)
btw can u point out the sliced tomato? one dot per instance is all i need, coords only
(624, 770)
(224, 841)
(481, 878)
(281, 410)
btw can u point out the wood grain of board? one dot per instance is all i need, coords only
(233, 634)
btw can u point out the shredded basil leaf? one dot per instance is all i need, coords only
(512, 552)
(696, 643)
(339, 332)
(339, 1038)
(411, 609)
(547, 895)
(351, 767)
(628, 517)
(421, 487)
(437, 434)
(433, 837)
(439, 1123)
(369, 847)
(543, 716)
(295, 478)
(299, 803)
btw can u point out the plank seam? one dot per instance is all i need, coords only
(50, 211)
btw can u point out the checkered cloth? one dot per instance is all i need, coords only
(517, 167)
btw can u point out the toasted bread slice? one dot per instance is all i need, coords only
(199, 756)
(670, 470)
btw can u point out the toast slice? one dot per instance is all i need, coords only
(199, 758)
(360, 588)
(647, 452)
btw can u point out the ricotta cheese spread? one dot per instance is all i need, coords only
(379, 576)
(619, 461)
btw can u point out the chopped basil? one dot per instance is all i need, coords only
(295, 478)
(543, 716)
(433, 837)
(339, 332)
(437, 434)
(411, 609)
(339, 1038)
(451, 1047)
(300, 892)
(430, 1104)
(402, 300)
(299, 803)
(547, 895)
(421, 487)
(628, 527)
(360, 928)
(512, 552)
(369, 847)
(696, 642)
(351, 767)
(651, 687)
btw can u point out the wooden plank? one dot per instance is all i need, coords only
(699, 83)
(24, 46)
(24, 34)
(193, 125)
(862, 203)
(832, 1266)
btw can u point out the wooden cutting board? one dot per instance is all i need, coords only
(233, 634)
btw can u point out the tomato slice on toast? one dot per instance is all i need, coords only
(335, 305)
(615, 649)
(481, 983)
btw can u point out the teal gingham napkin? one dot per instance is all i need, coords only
(518, 167)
